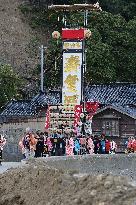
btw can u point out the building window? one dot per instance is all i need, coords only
(111, 127)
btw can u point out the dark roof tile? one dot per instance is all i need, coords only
(19, 108)
(113, 94)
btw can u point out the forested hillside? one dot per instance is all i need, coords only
(111, 52)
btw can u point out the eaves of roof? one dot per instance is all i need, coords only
(115, 108)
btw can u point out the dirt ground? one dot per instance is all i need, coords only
(37, 183)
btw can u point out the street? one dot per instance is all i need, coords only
(7, 165)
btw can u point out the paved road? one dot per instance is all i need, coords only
(120, 164)
(116, 164)
(7, 165)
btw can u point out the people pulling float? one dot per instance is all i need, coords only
(2, 144)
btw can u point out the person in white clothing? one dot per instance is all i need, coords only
(113, 147)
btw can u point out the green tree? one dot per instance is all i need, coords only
(9, 84)
(100, 61)
(119, 37)
(130, 68)
(126, 8)
(111, 52)
(53, 64)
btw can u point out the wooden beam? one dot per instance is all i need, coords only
(76, 7)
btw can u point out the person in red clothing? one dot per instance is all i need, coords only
(134, 144)
(131, 146)
(107, 146)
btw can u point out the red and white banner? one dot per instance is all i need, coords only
(91, 108)
(47, 119)
(78, 110)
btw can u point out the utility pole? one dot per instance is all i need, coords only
(42, 58)
(42, 63)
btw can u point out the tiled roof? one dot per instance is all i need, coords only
(105, 94)
(122, 94)
(19, 108)
(119, 95)
(129, 110)
(43, 99)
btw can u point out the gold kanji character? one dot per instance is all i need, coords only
(71, 83)
(70, 99)
(72, 64)
(66, 45)
(73, 45)
(78, 45)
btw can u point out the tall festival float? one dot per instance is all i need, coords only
(73, 114)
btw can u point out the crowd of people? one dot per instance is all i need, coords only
(56, 144)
